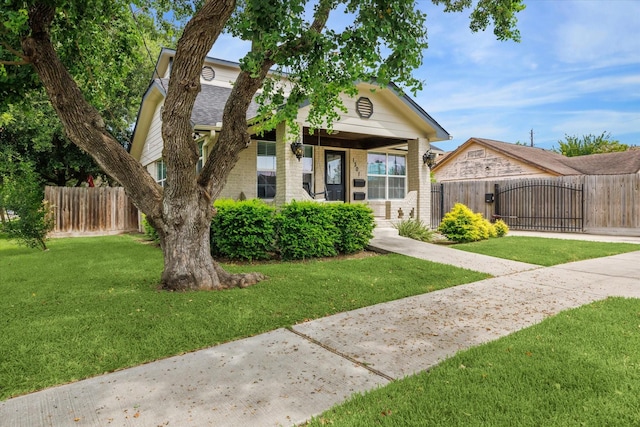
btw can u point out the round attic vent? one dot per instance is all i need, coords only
(364, 107)
(207, 73)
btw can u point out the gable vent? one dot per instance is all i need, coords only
(364, 107)
(207, 73)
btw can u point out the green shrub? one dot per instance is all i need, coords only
(306, 230)
(149, 231)
(243, 229)
(462, 225)
(485, 228)
(355, 223)
(22, 193)
(501, 228)
(414, 229)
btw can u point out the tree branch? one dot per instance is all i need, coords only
(197, 38)
(233, 135)
(320, 19)
(24, 59)
(82, 123)
(3, 62)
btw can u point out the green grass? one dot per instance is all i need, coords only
(92, 305)
(544, 251)
(579, 368)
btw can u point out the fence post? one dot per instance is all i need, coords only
(441, 202)
(496, 208)
(582, 207)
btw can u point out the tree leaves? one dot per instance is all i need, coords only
(589, 144)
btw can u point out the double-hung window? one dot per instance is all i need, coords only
(161, 172)
(200, 164)
(266, 169)
(386, 176)
(307, 167)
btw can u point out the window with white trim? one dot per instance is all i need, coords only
(161, 172)
(266, 169)
(386, 176)
(200, 163)
(307, 167)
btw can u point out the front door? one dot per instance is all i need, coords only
(334, 175)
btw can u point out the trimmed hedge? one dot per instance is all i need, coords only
(243, 230)
(355, 223)
(306, 230)
(253, 230)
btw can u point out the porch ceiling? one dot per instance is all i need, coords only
(352, 140)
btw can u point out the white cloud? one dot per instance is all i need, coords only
(598, 32)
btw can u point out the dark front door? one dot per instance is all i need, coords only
(334, 175)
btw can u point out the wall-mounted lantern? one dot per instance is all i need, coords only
(429, 158)
(296, 148)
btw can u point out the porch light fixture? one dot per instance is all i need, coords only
(429, 158)
(296, 147)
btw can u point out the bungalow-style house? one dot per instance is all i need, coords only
(377, 153)
(486, 159)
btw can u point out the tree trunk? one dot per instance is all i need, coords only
(184, 238)
(188, 264)
(181, 213)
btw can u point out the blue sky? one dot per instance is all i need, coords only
(575, 72)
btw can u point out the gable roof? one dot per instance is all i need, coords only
(210, 102)
(537, 157)
(208, 108)
(627, 162)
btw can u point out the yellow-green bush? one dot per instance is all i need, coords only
(462, 225)
(501, 228)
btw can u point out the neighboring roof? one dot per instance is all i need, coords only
(627, 162)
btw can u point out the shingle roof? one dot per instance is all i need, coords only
(538, 157)
(209, 106)
(627, 162)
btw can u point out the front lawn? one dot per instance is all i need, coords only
(92, 305)
(544, 251)
(579, 368)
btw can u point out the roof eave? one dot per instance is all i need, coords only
(151, 98)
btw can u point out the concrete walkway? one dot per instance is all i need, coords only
(286, 376)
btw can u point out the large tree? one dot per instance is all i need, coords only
(112, 81)
(384, 41)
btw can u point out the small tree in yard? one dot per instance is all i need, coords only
(22, 193)
(384, 42)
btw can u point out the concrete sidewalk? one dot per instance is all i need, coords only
(286, 376)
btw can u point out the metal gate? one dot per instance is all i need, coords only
(541, 205)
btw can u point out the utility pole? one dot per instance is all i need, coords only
(531, 137)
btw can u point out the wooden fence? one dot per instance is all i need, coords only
(611, 203)
(91, 211)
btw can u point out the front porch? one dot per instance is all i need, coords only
(374, 154)
(388, 174)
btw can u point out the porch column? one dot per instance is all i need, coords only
(419, 176)
(288, 168)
